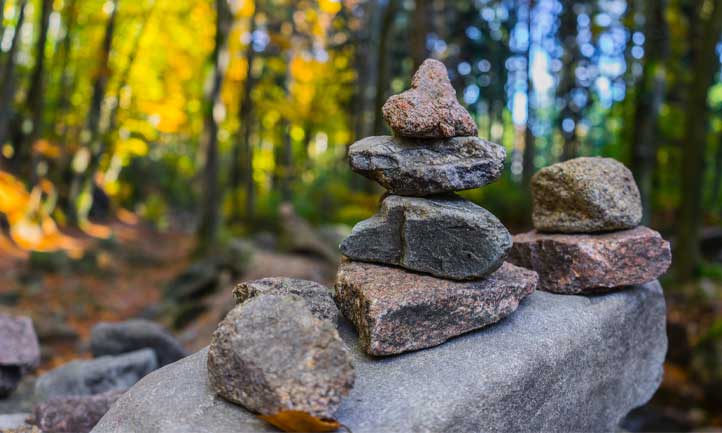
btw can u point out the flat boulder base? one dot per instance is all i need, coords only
(423, 167)
(396, 311)
(445, 236)
(117, 338)
(96, 376)
(430, 108)
(592, 263)
(585, 195)
(270, 354)
(559, 363)
(317, 297)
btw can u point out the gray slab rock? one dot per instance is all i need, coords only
(19, 351)
(395, 311)
(413, 167)
(445, 236)
(430, 108)
(271, 354)
(116, 338)
(560, 363)
(317, 297)
(96, 376)
(585, 195)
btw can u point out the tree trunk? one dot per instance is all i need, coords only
(210, 204)
(420, 28)
(705, 27)
(7, 88)
(529, 144)
(649, 100)
(567, 83)
(717, 178)
(63, 102)
(382, 82)
(2, 17)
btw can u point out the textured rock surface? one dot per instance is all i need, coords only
(73, 414)
(592, 263)
(422, 167)
(19, 351)
(585, 195)
(271, 354)
(317, 297)
(96, 376)
(448, 237)
(13, 421)
(396, 311)
(430, 108)
(559, 363)
(123, 337)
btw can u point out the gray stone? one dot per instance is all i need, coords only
(592, 263)
(19, 351)
(560, 363)
(317, 297)
(270, 354)
(585, 195)
(430, 108)
(13, 421)
(73, 414)
(395, 311)
(445, 236)
(95, 376)
(122, 337)
(422, 167)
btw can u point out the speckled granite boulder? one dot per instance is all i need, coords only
(396, 311)
(317, 297)
(109, 338)
(422, 167)
(270, 354)
(592, 263)
(19, 351)
(430, 108)
(445, 236)
(585, 195)
(559, 363)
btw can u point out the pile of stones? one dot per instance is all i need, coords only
(587, 237)
(429, 265)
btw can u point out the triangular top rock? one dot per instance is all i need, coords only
(430, 108)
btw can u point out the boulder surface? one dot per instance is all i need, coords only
(395, 311)
(270, 354)
(561, 363)
(445, 236)
(116, 338)
(430, 108)
(73, 414)
(423, 167)
(585, 195)
(592, 263)
(19, 351)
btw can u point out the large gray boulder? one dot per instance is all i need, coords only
(416, 167)
(117, 338)
(560, 363)
(445, 236)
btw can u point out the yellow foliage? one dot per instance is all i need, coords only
(330, 6)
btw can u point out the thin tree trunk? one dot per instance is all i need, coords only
(568, 39)
(420, 27)
(2, 17)
(63, 103)
(210, 203)
(382, 82)
(717, 177)
(529, 144)
(7, 88)
(704, 36)
(649, 101)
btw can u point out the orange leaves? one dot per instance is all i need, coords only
(298, 421)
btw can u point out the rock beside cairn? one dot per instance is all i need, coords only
(270, 355)
(423, 228)
(19, 351)
(587, 238)
(108, 338)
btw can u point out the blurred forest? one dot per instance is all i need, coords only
(205, 117)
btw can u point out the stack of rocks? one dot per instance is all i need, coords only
(429, 265)
(588, 238)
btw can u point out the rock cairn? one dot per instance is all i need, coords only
(429, 265)
(586, 212)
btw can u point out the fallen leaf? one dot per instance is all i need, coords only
(299, 421)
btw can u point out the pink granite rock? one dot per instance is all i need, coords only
(19, 351)
(430, 108)
(395, 310)
(592, 263)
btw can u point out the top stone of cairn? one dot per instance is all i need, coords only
(430, 108)
(585, 195)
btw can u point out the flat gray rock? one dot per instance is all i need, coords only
(13, 421)
(19, 351)
(406, 166)
(445, 236)
(561, 363)
(585, 195)
(116, 338)
(96, 376)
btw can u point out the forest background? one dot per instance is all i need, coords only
(203, 117)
